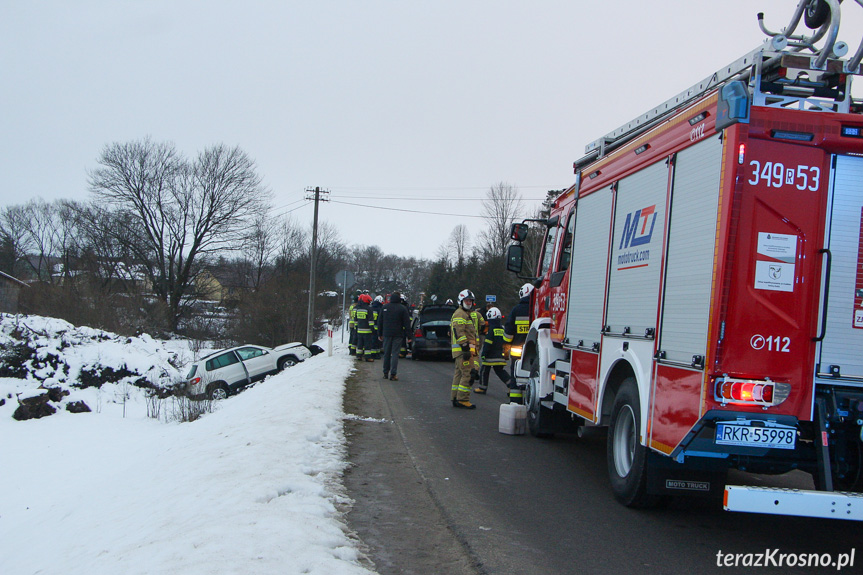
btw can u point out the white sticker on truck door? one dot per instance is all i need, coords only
(782, 247)
(774, 276)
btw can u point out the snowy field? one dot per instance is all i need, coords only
(253, 487)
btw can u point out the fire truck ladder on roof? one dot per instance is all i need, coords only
(778, 74)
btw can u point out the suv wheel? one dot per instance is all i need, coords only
(218, 391)
(287, 361)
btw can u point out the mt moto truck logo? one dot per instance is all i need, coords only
(637, 231)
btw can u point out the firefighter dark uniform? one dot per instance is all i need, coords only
(515, 333)
(480, 327)
(377, 307)
(492, 353)
(365, 328)
(463, 338)
(352, 325)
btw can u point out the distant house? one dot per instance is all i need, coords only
(10, 288)
(219, 286)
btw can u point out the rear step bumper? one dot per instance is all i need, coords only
(777, 501)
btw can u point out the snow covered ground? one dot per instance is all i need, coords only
(253, 487)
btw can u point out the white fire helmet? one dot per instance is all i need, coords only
(463, 295)
(492, 313)
(525, 290)
(379, 299)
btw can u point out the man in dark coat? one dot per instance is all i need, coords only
(393, 326)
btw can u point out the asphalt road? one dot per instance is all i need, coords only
(440, 490)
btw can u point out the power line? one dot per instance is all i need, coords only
(290, 204)
(410, 211)
(308, 203)
(453, 188)
(438, 199)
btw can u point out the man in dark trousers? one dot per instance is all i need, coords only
(394, 326)
(515, 333)
(492, 352)
(365, 328)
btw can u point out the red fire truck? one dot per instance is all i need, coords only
(700, 286)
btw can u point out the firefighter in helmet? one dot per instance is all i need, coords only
(365, 328)
(377, 307)
(515, 333)
(480, 326)
(464, 349)
(492, 352)
(352, 324)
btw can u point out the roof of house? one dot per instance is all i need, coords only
(12, 279)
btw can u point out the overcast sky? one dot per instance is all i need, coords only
(401, 105)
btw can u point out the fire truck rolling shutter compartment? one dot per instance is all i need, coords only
(691, 243)
(636, 254)
(844, 329)
(589, 264)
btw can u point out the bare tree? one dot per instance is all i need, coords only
(291, 240)
(501, 208)
(105, 251)
(459, 244)
(182, 211)
(49, 232)
(39, 234)
(13, 235)
(68, 236)
(259, 248)
(368, 264)
(331, 249)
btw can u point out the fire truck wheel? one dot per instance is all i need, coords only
(627, 458)
(538, 417)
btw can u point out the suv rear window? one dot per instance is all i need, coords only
(222, 361)
(436, 314)
(192, 371)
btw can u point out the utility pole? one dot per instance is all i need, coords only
(310, 322)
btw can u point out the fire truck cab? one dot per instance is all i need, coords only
(700, 286)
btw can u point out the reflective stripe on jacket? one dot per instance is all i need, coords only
(352, 315)
(462, 332)
(492, 347)
(365, 318)
(518, 322)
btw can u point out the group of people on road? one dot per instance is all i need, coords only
(481, 343)
(476, 339)
(379, 329)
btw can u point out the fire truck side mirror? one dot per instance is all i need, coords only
(514, 257)
(733, 105)
(518, 232)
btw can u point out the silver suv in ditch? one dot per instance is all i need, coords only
(222, 373)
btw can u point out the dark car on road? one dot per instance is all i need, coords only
(431, 331)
